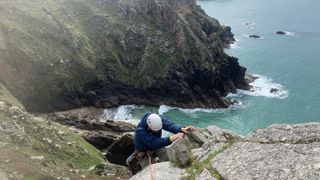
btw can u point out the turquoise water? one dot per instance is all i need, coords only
(290, 63)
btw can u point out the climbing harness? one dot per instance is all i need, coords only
(133, 163)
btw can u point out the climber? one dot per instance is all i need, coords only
(148, 138)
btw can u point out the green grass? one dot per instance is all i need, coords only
(80, 155)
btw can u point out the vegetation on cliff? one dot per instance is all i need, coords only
(34, 148)
(61, 54)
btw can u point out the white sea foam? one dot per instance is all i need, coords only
(264, 86)
(122, 113)
(234, 45)
(164, 109)
(289, 33)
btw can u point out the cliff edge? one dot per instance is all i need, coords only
(58, 55)
(277, 152)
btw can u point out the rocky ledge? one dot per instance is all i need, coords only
(113, 138)
(277, 152)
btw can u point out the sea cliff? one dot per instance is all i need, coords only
(58, 55)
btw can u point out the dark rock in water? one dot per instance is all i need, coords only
(274, 90)
(281, 32)
(249, 78)
(254, 36)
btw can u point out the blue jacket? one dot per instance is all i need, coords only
(146, 140)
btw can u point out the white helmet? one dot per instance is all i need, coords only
(154, 122)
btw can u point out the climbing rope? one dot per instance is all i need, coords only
(150, 165)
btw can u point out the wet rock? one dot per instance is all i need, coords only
(249, 78)
(254, 36)
(161, 171)
(281, 33)
(274, 90)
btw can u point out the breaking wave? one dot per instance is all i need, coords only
(288, 33)
(235, 45)
(164, 109)
(121, 113)
(264, 86)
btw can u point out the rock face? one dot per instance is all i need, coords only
(269, 161)
(161, 171)
(276, 152)
(57, 55)
(291, 134)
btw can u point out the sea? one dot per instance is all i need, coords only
(289, 63)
